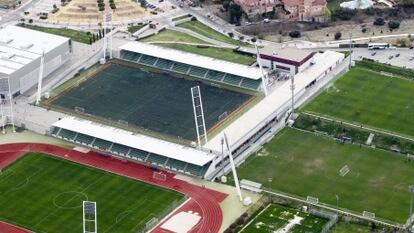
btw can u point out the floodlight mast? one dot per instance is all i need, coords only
(233, 167)
(292, 88)
(11, 106)
(259, 62)
(198, 114)
(2, 116)
(39, 82)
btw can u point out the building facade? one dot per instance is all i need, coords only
(287, 60)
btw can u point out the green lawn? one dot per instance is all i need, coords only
(45, 194)
(366, 97)
(307, 165)
(344, 227)
(217, 53)
(181, 17)
(78, 36)
(134, 28)
(334, 4)
(206, 31)
(174, 36)
(276, 217)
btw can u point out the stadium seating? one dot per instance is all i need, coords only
(250, 83)
(157, 159)
(55, 131)
(139, 154)
(148, 60)
(215, 75)
(178, 165)
(198, 72)
(181, 68)
(232, 79)
(67, 134)
(102, 144)
(164, 64)
(194, 169)
(84, 139)
(130, 56)
(119, 149)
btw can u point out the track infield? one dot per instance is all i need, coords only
(157, 102)
(366, 97)
(44, 194)
(303, 164)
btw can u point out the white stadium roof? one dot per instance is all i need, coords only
(138, 141)
(273, 104)
(193, 59)
(19, 46)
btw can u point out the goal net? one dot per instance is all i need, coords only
(368, 214)
(79, 109)
(222, 116)
(312, 200)
(159, 176)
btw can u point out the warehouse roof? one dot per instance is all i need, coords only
(137, 141)
(193, 59)
(19, 46)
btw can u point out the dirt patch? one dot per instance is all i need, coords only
(312, 166)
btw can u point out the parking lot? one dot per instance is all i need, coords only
(403, 57)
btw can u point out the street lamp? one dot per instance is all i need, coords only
(337, 201)
(350, 50)
(411, 190)
(270, 184)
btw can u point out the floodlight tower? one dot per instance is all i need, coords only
(39, 82)
(11, 106)
(411, 190)
(199, 115)
(2, 117)
(259, 62)
(292, 88)
(350, 50)
(233, 167)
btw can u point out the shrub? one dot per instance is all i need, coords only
(193, 18)
(30, 20)
(233, 226)
(231, 34)
(364, 30)
(240, 221)
(343, 14)
(338, 35)
(294, 34)
(393, 24)
(253, 39)
(379, 22)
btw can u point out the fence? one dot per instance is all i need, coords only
(333, 219)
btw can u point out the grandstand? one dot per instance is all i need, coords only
(196, 66)
(139, 148)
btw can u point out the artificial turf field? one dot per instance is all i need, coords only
(275, 217)
(367, 97)
(304, 164)
(44, 194)
(151, 101)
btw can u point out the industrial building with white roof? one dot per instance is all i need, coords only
(21, 50)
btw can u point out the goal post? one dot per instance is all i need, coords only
(89, 218)
(159, 176)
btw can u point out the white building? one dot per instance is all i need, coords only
(21, 50)
(289, 60)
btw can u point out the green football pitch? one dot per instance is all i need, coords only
(369, 98)
(304, 164)
(152, 101)
(44, 194)
(275, 218)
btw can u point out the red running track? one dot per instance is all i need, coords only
(202, 200)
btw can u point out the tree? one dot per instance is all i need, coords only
(90, 40)
(327, 13)
(379, 22)
(338, 35)
(235, 13)
(343, 14)
(226, 5)
(393, 24)
(231, 34)
(294, 34)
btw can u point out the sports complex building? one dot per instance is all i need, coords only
(21, 52)
(150, 88)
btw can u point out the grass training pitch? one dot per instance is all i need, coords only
(151, 101)
(367, 97)
(304, 164)
(275, 218)
(44, 194)
(75, 35)
(225, 54)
